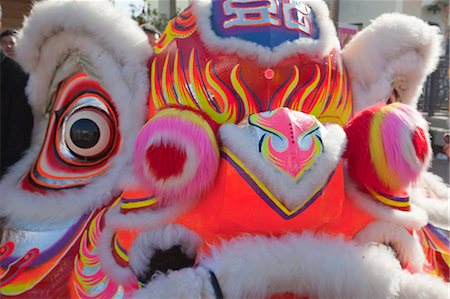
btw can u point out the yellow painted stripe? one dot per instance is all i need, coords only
(169, 96)
(138, 204)
(119, 251)
(116, 201)
(446, 258)
(388, 201)
(308, 90)
(226, 113)
(180, 88)
(279, 204)
(196, 82)
(291, 86)
(214, 84)
(238, 87)
(376, 150)
(190, 116)
(156, 99)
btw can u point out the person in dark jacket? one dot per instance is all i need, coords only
(16, 119)
(8, 42)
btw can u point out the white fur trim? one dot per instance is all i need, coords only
(432, 195)
(114, 271)
(147, 242)
(183, 284)
(144, 220)
(395, 49)
(438, 210)
(140, 221)
(117, 32)
(414, 219)
(435, 185)
(264, 55)
(409, 250)
(243, 143)
(317, 266)
(422, 286)
(119, 53)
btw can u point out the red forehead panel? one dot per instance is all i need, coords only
(228, 87)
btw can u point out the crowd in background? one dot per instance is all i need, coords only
(16, 119)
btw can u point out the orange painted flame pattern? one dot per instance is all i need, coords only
(202, 89)
(181, 26)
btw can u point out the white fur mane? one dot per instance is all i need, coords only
(394, 51)
(119, 51)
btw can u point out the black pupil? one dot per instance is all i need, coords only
(84, 133)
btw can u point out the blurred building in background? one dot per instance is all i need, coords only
(361, 12)
(351, 16)
(354, 12)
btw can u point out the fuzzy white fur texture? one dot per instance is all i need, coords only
(118, 51)
(115, 272)
(186, 283)
(140, 221)
(265, 56)
(317, 266)
(244, 144)
(408, 249)
(395, 50)
(414, 219)
(432, 195)
(145, 219)
(435, 184)
(148, 242)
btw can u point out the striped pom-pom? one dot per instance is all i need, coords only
(388, 147)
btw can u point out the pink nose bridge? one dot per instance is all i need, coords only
(290, 140)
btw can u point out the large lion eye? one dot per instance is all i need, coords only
(88, 133)
(81, 138)
(84, 133)
(87, 130)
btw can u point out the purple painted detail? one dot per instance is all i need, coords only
(265, 22)
(264, 196)
(439, 233)
(50, 252)
(396, 198)
(399, 198)
(119, 245)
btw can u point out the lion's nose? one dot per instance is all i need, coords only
(290, 140)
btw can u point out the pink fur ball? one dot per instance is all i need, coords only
(388, 147)
(177, 155)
